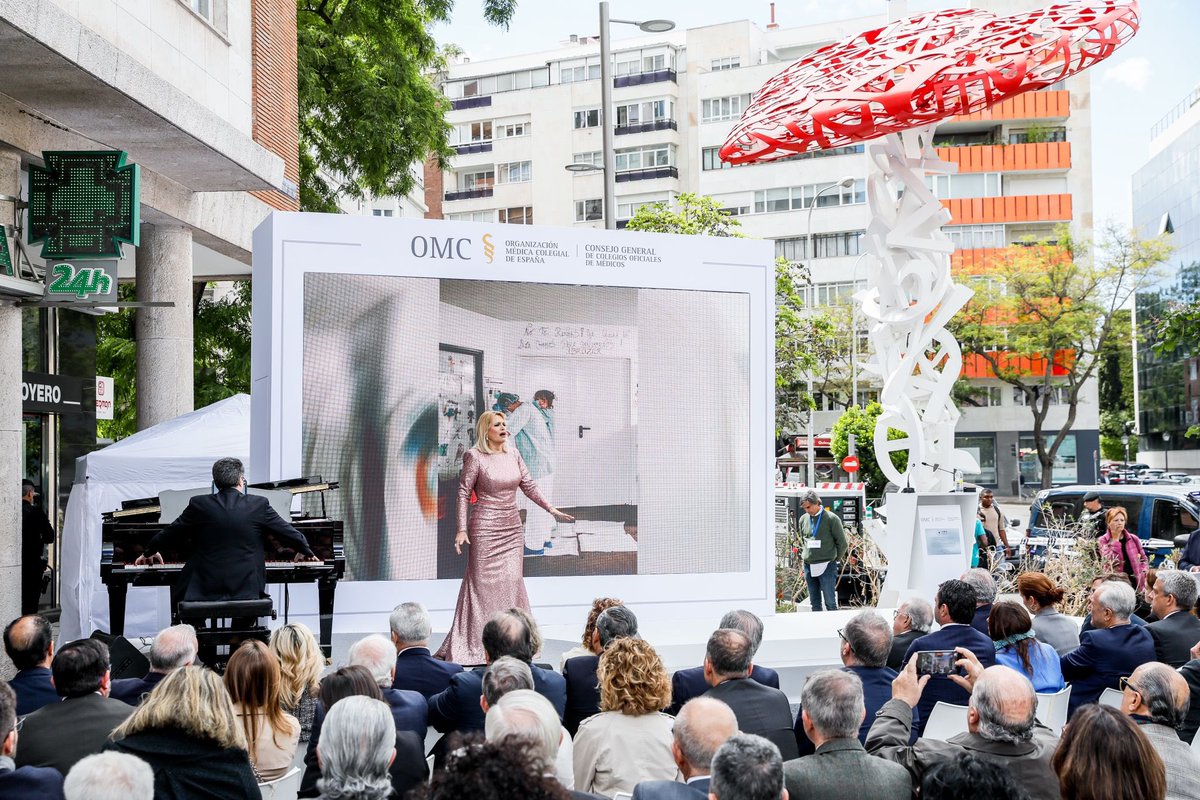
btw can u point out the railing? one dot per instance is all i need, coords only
(469, 194)
(1175, 113)
(649, 173)
(642, 78)
(471, 102)
(473, 147)
(644, 127)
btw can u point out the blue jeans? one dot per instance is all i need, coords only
(826, 586)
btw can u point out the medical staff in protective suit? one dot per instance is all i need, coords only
(532, 427)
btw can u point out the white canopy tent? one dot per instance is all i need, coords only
(177, 454)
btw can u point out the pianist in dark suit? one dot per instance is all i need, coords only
(224, 535)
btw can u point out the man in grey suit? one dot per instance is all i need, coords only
(759, 709)
(1156, 697)
(703, 725)
(832, 709)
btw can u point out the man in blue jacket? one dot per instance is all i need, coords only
(689, 683)
(1111, 650)
(43, 782)
(29, 642)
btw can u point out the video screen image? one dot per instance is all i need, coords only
(630, 407)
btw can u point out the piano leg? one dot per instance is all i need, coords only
(117, 592)
(326, 587)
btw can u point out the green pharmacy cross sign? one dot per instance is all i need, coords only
(83, 204)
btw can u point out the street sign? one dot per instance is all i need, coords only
(85, 280)
(850, 463)
(83, 204)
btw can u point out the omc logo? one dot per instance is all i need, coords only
(441, 247)
(489, 249)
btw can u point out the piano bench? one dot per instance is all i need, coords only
(225, 624)
(226, 609)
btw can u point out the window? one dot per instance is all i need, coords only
(735, 211)
(516, 172)
(833, 294)
(473, 216)
(972, 237)
(655, 155)
(634, 63)
(984, 450)
(588, 118)
(588, 210)
(509, 129)
(577, 73)
(491, 84)
(829, 245)
(471, 132)
(711, 159)
(627, 207)
(381, 212)
(798, 197)
(1065, 470)
(645, 111)
(1027, 135)
(476, 179)
(970, 184)
(202, 7)
(521, 215)
(716, 109)
(595, 158)
(730, 62)
(986, 397)
(1060, 395)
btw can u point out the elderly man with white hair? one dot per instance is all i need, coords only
(1176, 631)
(416, 669)
(110, 776)
(173, 647)
(526, 715)
(409, 709)
(1112, 649)
(356, 748)
(1156, 697)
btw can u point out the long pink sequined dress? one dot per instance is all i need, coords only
(493, 581)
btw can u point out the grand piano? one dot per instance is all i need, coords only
(127, 531)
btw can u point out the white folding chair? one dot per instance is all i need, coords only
(945, 720)
(1111, 697)
(285, 788)
(1052, 708)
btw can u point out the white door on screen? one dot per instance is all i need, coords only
(598, 468)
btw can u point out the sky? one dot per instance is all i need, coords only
(1131, 90)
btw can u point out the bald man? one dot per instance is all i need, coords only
(1156, 697)
(703, 725)
(1001, 727)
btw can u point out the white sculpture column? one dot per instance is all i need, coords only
(12, 457)
(164, 335)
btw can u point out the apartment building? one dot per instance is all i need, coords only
(521, 122)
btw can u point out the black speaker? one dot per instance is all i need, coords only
(127, 661)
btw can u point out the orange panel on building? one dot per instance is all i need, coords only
(1009, 157)
(1030, 105)
(1022, 208)
(976, 366)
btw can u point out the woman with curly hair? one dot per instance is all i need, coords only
(1016, 645)
(630, 740)
(589, 646)
(1103, 756)
(300, 665)
(499, 770)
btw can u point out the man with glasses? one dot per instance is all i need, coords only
(910, 622)
(23, 781)
(824, 547)
(1156, 697)
(1111, 649)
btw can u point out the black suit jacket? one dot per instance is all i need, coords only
(672, 790)
(33, 689)
(1191, 673)
(583, 690)
(224, 534)
(1174, 637)
(689, 683)
(30, 782)
(900, 643)
(980, 621)
(130, 690)
(418, 671)
(940, 687)
(457, 708)
(61, 734)
(760, 710)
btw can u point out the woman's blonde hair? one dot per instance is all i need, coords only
(252, 679)
(481, 428)
(300, 663)
(192, 700)
(632, 678)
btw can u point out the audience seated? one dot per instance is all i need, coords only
(968, 776)
(747, 767)
(409, 709)
(984, 585)
(508, 633)
(629, 740)
(1176, 631)
(30, 644)
(1011, 628)
(526, 715)
(408, 768)
(272, 735)
(60, 734)
(109, 776)
(954, 610)
(1104, 756)
(187, 732)
(912, 620)
(588, 645)
(501, 770)
(23, 781)
(1040, 595)
(173, 648)
(759, 709)
(689, 683)
(703, 725)
(416, 669)
(507, 674)
(832, 712)
(358, 743)
(1112, 649)
(583, 690)
(300, 666)
(1001, 726)
(1156, 698)
(1119, 577)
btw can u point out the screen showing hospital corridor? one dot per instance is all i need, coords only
(631, 408)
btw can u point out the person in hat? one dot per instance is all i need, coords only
(1093, 514)
(36, 532)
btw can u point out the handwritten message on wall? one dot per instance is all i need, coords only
(569, 340)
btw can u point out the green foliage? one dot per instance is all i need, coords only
(1179, 329)
(861, 422)
(368, 105)
(1113, 425)
(688, 214)
(1115, 375)
(116, 357)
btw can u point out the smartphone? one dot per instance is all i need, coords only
(936, 662)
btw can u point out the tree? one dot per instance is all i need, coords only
(1042, 319)
(1115, 375)
(368, 105)
(861, 423)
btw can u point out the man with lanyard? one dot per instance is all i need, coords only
(532, 428)
(994, 524)
(823, 545)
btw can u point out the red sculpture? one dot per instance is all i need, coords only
(923, 69)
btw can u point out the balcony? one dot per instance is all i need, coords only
(1030, 105)
(469, 194)
(471, 102)
(473, 147)
(1022, 208)
(649, 173)
(646, 127)
(642, 78)
(1010, 157)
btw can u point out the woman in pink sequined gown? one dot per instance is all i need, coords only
(493, 581)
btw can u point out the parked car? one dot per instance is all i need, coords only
(1190, 480)
(1178, 477)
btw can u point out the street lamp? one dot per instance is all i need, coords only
(1166, 451)
(854, 333)
(1125, 442)
(606, 88)
(844, 183)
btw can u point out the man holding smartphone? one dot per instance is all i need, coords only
(823, 544)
